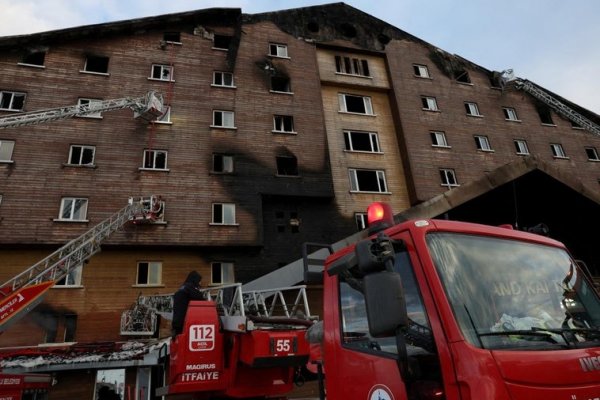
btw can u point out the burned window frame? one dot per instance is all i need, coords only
(34, 59)
(352, 137)
(11, 102)
(82, 150)
(367, 104)
(96, 62)
(219, 41)
(274, 50)
(157, 73)
(220, 165)
(346, 65)
(356, 175)
(283, 121)
(287, 166)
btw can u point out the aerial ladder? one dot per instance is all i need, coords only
(23, 292)
(555, 104)
(148, 108)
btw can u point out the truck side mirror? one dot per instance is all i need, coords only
(385, 303)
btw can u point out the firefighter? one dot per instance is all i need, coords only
(190, 290)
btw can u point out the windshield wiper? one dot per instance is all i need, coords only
(568, 334)
(534, 333)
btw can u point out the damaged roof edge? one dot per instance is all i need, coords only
(222, 15)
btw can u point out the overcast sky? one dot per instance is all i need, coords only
(554, 43)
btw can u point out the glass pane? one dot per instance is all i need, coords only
(229, 213)
(154, 273)
(6, 149)
(67, 206)
(79, 211)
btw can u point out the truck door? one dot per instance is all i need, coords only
(367, 367)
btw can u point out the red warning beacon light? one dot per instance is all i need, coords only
(379, 216)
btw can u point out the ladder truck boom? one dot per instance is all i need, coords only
(24, 291)
(148, 107)
(556, 105)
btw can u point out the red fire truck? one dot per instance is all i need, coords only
(434, 309)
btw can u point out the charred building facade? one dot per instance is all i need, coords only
(280, 129)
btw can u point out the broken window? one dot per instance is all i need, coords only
(355, 104)
(223, 119)
(438, 139)
(223, 79)
(165, 118)
(13, 101)
(287, 165)
(545, 114)
(36, 58)
(482, 143)
(6, 150)
(365, 180)
(73, 277)
(149, 273)
(421, 71)
(575, 125)
(81, 155)
(222, 163)
(70, 327)
(557, 150)
(223, 214)
(73, 209)
(172, 37)
(222, 42)
(161, 72)
(351, 66)
(221, 273)
(278, 50)
(50, 323)
(429, 103)
(462, 76)
(510, 113)
(283, 123)
(281, 84)
(97, 64)
(521, 147)
(86, 104)
(592, 154)
(472, 109)
(448, 177)
(155, 159)
(361, 220)
(361, 141)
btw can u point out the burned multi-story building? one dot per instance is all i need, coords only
(279, 128)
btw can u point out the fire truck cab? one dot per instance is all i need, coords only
(433, 309)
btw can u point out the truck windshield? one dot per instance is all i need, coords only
(509, 294)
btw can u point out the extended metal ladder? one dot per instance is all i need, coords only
(559, 107)
(14, 297)
(148, 108)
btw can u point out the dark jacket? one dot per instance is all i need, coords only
(188, 291)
